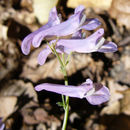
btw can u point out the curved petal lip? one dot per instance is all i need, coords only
(92, 24)
(97, 99)
(100, 96)
(108, 47)
(25, 47)
(79, 9)
(43, 55)
(53, 20)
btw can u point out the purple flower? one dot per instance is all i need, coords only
(95, 93)
(74, 24)
(53, 20)
(93, 43)
(2, 125)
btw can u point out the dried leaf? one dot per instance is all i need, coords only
(105, 5)
(3, 32)
(7, 105)
(113, 109)
(9, 58)
(73, 116)
(41, 127)
(17, 88)
(42, 9)
(121, 7)
(116, 92)
(41, 115)
(27, 4)
(33, 115)
(125, 103)
(27, 113)
(121, 68)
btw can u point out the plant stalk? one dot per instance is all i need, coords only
(66, 101)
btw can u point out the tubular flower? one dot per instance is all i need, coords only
(74, 24)
(53, 20)
(95, 93)
(93, 43)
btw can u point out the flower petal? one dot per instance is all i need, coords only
(77, 35)
(26, 44)
(91, 25)
(85, 90)
(62, 49)
(82, 45)
(63, 29)
(93, 43)
(69, 90)
(100, 96)
(80, 8)
(89, 82)
(53, 20)
(43, 55)
(108, 47)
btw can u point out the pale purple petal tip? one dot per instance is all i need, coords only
(39, 88)
(77, 35)
(108, 47)
(100, 96)
(26, 44)
(100, 31)
(89, 81)
(43, 56)
(37, 40)
(80, 8)
(53, 17)
(92, 24)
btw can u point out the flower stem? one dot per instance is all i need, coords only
(66, 101)
(63, 101)
(66, 114)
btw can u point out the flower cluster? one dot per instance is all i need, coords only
(95, 94)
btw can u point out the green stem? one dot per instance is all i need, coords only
(65, 102)
(66, 114)
(67, 98)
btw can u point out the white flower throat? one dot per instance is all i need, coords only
(90, 92)
(100, 43)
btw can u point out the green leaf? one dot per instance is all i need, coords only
(60, 104)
